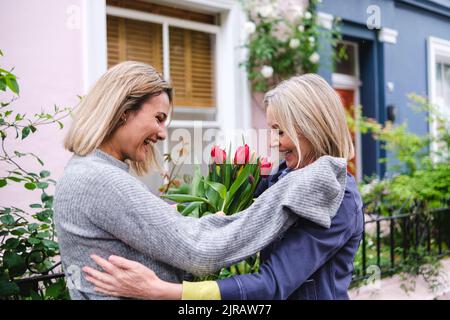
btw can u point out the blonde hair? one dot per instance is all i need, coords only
(124, 87)
(307, 106)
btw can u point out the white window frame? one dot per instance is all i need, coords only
(347, 82)
(232, 88)
(233, 103)
(95, 55)
(166, 23)
(438, 52)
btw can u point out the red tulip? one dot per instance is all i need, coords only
(242, 155)
(218, 155)
(265, 166)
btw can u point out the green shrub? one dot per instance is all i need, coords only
(28, 244)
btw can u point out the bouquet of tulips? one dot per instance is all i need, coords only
(228, 187)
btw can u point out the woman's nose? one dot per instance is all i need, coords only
(274, 140)
(162, 134)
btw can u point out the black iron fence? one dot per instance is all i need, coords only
(387, 242)
(391, 242)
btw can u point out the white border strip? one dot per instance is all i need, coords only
(95, 60)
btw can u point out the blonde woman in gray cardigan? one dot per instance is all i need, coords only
(100, 208)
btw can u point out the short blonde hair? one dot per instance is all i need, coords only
(124, 87)
(308, 106)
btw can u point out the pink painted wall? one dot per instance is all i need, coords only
(42, 39)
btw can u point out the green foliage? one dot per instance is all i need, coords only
(285, 42)
(27, 236)
(421, 171)
(417, 182)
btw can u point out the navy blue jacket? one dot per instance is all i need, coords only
(309, 261)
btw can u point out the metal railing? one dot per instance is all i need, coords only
(402, 237)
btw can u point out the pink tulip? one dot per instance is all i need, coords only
(218, 155)
(242, 155)
(265, 166)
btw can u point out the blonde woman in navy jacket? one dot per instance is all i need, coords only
(308, 261)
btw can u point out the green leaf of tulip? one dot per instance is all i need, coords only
(188, 209)
(184, 198)
(218, 187)
(242, 177)
(197, 183)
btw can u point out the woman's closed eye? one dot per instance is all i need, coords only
(161, 118)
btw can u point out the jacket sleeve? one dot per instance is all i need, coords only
(295, 258)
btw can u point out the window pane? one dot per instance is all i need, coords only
(443, 87)
(192, 68)
(439, 91)
(446, 85)
(134, 40)
(347, 64)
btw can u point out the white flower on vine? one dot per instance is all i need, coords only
(294, 43)
(297, 11)
(301, 28)
(312, 39)
(266, 11)
(314, 58)
(319, 1)
(308, 15)
(249, 27)
(267, 71)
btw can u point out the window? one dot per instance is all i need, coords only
(191, 67)
(443, 87)
(180, 44)
(187, 58)
(134, 40)
(439, 80)
(347, 65)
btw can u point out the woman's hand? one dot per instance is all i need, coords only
(126, 278)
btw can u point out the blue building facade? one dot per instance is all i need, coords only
(407, 52)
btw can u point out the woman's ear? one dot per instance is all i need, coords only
(124, 118)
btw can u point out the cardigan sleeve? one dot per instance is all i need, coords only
(203, 290)
(199, 246)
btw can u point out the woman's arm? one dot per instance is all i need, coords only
(204, 245)
(300, 253)
(126, 278)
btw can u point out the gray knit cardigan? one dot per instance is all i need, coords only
(101, 208)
